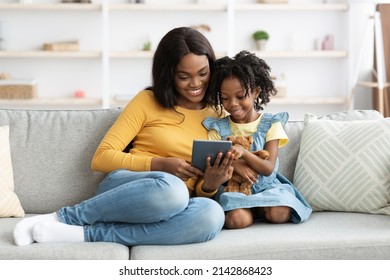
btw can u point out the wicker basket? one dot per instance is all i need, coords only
(17, 89)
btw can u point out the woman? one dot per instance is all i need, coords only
(152, 195)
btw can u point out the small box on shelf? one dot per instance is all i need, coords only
(18, 89)
(62, 46)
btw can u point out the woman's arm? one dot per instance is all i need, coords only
(109, 155)
(176, 166)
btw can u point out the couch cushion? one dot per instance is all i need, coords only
(56, 251)
(325, 236)
(345, 165)
(288, 154)
(51, 154)
(9, 201)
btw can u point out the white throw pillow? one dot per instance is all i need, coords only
(345, 165)
(9, 202)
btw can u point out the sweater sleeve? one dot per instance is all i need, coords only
(200, 193)
(109, 155)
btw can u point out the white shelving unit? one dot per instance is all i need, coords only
(34, 59)
(234, 22)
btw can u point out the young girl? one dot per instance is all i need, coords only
(241, 85)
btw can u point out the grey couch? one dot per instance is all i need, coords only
(51, 154)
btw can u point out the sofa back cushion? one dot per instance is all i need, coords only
(51, 154)
(9, 201)
(344, 165)
(288, 154)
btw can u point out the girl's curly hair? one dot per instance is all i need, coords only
(252, 71)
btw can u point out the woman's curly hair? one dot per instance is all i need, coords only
(252, 71)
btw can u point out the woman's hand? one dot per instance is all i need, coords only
(217, 174)
(175, 166)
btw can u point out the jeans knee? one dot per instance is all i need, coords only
(173, 192)
(211, 218)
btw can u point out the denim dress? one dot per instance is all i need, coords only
(267, 191)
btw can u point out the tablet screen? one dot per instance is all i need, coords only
(202, 149)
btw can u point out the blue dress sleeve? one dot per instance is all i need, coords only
(211, 123)
(280, 117)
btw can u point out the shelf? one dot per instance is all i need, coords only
(51, 7)
(291, 7)
(307, 100)
(302, 54)
(165, 7)
(52, 101)
(300, 100)
(50, 54)
(372, 84)
(121, 100)
(132, 54)
(144, 54)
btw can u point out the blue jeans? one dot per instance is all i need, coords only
(139, 208)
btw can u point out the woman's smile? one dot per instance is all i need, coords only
(196, 92)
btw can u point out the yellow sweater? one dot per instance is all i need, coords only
(157, 132)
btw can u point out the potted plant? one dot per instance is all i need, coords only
(147, 46)
(261, 37)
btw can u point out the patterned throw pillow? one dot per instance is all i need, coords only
(345, 165)
(9, 202)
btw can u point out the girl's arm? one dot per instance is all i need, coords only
(264, 167)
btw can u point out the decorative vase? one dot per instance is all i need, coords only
(327, 44)
(261, 45)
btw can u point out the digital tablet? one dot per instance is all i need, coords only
(202, 149)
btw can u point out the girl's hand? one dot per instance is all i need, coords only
(244, 170)
(217, 174)
(238, 151)
(175, 166)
